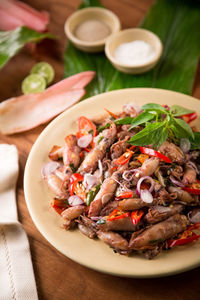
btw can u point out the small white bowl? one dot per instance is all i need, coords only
(129, 35)
(94, 13)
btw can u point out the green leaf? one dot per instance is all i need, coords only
(142, 118)
(101, 128)
(195, 143)
(89, 3)
(177, 110)
(178, 22)
(181, 129)
(154, 133)
(11, 42)
(124, 121)
(154, 107)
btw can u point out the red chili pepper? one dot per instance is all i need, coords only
(111, 114)
(189, 117)
(194, 226)
(193, 188)
(81, 154)
(124, 158)
(75, 178)
(136, 216)
(183, 241)
(155, 153)
(125, 195)
(118, 214)
(57, 206)
(84, 126)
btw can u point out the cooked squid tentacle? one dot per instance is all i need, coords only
(133, 203)
(72, 212)
(105, 193)
(182, 195)
(160, 232)
(189, 175)
(87, 231)
(160, 213)
(90, 162)
(55, 185)
(71, 151)
(124, 224)
(113, 239)
(149, 166)
(173, 152)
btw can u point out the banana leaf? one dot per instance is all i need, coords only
(11, 42)
(177, 23)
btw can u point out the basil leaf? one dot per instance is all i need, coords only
(12, 41)
(124, 121)
(101, 128)
(177, 110)
(195, 144)
(154, 107)
(181, 129)
(142, 118)
(154, 133)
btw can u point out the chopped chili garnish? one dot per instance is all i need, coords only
(189, 117)
(124, 158)
(75, 178)
(81, 154)
(125, 195)
(85, 126)
(194, 226)
(79, 190)
(142, 157)
(136, 216)
(118, 214)
(111, 113)
(183, 241)
(58, 206)
(155, 153)
(193, 188)
(132, 147)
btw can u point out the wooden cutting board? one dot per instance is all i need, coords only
(58, 277)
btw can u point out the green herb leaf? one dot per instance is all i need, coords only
(154, 133)
(181, 129)
(72, 167)
(177, 110)
(124, 121)
(101, 221)
(154, 107)
(142, 118)
(13, 41)
(101, 128)
(195, 143)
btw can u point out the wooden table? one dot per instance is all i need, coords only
(57, 276)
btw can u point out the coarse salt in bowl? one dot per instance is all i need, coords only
(134, 50)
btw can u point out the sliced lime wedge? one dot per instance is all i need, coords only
(33, 83)
(44, 69)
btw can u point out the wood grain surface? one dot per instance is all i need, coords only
(58, 277)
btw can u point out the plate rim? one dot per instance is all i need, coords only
(79, 260)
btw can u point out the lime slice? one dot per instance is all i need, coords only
(44, 69)
(33, 83)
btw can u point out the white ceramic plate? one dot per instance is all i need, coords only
(94, 253)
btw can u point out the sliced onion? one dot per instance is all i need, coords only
(146, 196)
(100, 168)
(85, 140)
(141, 180)
(95, 218)
(132, 172)
(89, 181)
(75, 200)
(49, 168)
(194, 216)
(185, 145)
(176, 181)
(192, 165)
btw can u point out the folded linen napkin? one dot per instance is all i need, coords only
(17, 280)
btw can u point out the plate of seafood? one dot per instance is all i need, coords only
(113, 183)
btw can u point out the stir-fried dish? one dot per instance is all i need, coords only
(130, 179)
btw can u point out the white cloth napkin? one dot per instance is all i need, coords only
(17, 280)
